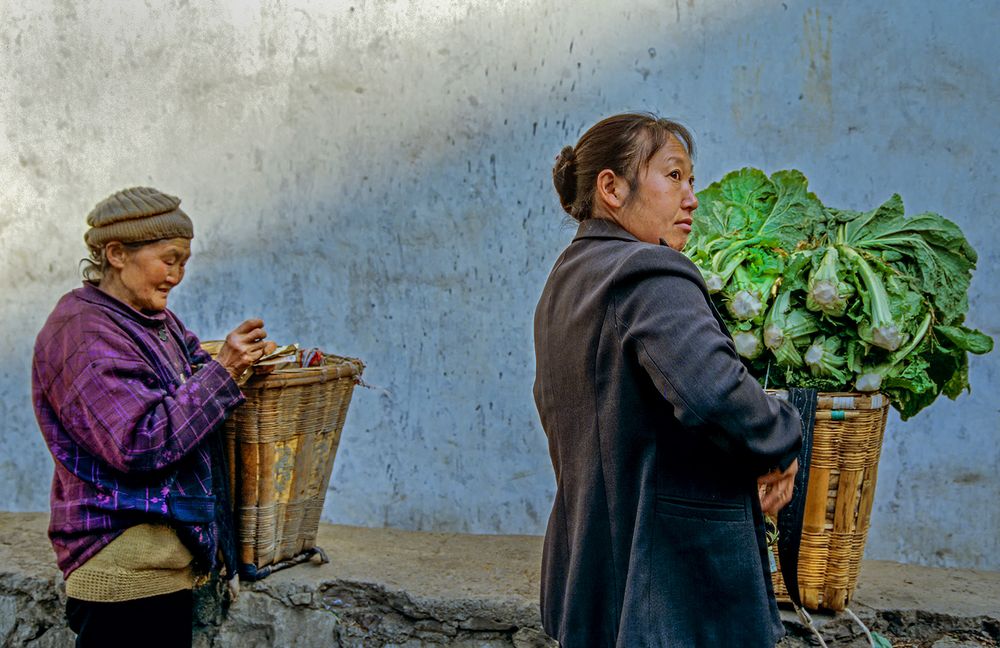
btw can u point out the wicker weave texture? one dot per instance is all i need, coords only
(847, 441)
(281, 444)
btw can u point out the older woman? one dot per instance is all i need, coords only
(129, 406)
(658, 436)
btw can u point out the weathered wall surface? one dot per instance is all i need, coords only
(372, 177)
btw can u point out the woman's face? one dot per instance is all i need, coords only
(663, 205)
(148, 274)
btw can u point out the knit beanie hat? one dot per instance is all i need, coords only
(137, 214)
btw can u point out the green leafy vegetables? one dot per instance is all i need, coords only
(834, 299)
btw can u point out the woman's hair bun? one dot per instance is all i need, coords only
(564, 178)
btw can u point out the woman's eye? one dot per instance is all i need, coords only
(676, 175)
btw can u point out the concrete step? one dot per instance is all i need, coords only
(386, 587)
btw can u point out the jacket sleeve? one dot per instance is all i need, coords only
(664, 317)
(117, 409)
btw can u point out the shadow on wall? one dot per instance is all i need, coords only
(424, 225)
(375, 180)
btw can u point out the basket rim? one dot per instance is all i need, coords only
(875, 400)
(853, 394)
(334, 367)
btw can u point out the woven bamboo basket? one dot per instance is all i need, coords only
(847, 442)
(281, 445)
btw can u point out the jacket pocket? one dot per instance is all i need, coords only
(706, 575)
(699, 509)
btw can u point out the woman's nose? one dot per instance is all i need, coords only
(690, 201)
(174, 276)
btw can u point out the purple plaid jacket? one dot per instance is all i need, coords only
(126, 402)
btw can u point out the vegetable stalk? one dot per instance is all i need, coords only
(827, 292)
(881, 329)
(871, 379)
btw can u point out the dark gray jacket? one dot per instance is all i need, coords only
(657, 434)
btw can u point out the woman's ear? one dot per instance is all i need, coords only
(116, 254)
(610, 191)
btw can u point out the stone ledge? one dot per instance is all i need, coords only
(385, 587)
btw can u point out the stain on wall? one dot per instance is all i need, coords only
(817, 87)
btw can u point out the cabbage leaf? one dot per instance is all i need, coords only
(835, 299)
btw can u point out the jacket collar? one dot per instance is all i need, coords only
(599, 228)
(91, 293)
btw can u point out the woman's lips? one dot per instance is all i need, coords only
(684, 224)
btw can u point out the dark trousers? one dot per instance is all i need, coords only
(153, 622)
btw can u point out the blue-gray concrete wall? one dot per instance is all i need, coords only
(373, 177)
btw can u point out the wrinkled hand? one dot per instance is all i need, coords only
(777, 488)
(243, 346)
(269, 347)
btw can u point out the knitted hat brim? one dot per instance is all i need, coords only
(168, 225)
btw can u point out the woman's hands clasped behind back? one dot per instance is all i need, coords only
(776, 488)
(244, 346)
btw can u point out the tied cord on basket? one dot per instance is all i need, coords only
(790, 518)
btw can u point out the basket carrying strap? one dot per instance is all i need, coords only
(224, 522)
(790, 517)
(223, 513)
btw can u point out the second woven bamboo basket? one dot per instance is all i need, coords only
(847, 443)
(281, 445)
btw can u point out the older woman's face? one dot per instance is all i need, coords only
(664, 203)
(148, 274)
